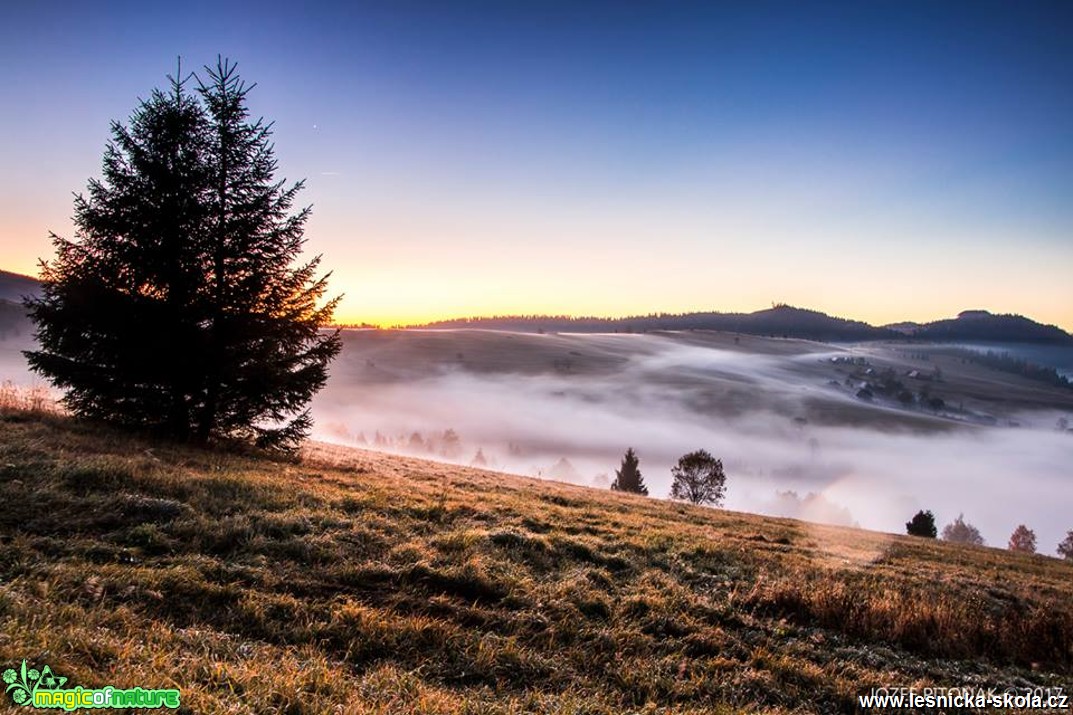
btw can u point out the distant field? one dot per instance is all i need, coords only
(358, 582)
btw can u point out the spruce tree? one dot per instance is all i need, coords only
(178, 306)
(628, 476)
(922, 524)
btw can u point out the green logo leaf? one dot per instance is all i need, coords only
(24, 682)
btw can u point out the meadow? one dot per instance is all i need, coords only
(350, 581)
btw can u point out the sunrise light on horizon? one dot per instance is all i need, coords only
(880, 162)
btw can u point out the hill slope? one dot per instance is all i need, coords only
(778, 321)
(395, 585)
(790, 322)
(13, 287)
(782, 320)
(982, 326)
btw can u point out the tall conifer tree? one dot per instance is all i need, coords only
(178, 306)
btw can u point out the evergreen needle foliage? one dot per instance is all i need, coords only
(628, 477)
(922, 524)
(180, 306)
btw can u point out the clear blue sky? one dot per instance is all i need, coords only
(879, 160)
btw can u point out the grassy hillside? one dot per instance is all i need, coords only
(353, 582)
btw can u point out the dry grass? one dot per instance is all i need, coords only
(36, 400)
(360, 583)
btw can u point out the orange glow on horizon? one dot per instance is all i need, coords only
(402, 295)
(387, 321)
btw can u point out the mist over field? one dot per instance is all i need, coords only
(793, 436)
(567, 407)
(1060, 357)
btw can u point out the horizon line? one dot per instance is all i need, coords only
(386, 325)
(443, 322)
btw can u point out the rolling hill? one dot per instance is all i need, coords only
(790, 322)
(13, 287)
(982, 326)
(778, 321)
(366, 583)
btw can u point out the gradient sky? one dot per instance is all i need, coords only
(881, 160)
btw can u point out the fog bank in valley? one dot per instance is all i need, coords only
(793, 442)
(784, 416)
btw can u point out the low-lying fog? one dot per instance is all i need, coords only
(785, 419)
(866, 463)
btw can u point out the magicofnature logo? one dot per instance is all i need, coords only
(23, 684)
(44, 689)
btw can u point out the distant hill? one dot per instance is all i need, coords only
(13, 287)
(790, 322)
(982, 326)
(905, 328)
(780, 321)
